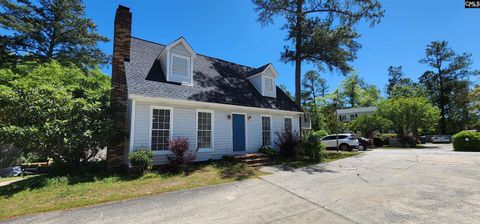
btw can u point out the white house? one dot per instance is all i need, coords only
(173, 91)
(347, 115)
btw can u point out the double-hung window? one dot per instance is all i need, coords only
(161, 128)
(266, 131)
(179, 66)
(204, 130)
(288, 123)
(269, 85)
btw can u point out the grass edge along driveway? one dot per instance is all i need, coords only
(44, 193)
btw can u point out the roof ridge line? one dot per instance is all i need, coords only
(138, 38)
(203, 54)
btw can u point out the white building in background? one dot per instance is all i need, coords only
(347, 115)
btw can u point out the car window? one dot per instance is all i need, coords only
(327, 138)
(334, 137)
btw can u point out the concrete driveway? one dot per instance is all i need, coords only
(432, 185)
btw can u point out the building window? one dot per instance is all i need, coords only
(160, 129)
(204, 131)
(269, 84)
(266, 131)
(288, 123)
(179, 66)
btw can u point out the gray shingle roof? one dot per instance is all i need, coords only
(214, 80)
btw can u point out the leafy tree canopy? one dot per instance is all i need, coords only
(48, 30)
(54, 111)
(370, 96)
(367, 124)
(410, 116)
(396, 78)
(352, 89)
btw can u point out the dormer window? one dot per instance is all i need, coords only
(268, 85)
(177, 62)
(180, 66)
(263, 79)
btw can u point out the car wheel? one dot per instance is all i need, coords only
(344, 147)
(361, 147)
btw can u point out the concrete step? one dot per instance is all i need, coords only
(256, 160)
(261, 164)
(247, 156)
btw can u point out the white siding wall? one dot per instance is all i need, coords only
(163, 62)
(181, 50)
(184, 125)
(257, 82)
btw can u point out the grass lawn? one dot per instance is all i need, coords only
(329, 157)
(44, 193)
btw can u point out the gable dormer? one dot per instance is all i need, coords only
(177, 62)
(264, 80)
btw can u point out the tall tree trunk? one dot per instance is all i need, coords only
(298, 52)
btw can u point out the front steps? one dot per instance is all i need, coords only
(252, 159)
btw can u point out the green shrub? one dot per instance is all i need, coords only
(267, 150)
(311, 149)
(56, 111)
(141, 158)
(320, 133)
(467, 141)
(385, 137)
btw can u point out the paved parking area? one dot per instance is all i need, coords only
(433, 185)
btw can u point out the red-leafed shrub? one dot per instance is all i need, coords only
(181, 157)
(287, 142)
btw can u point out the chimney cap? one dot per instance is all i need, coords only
(121, 7)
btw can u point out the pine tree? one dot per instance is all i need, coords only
(321, 32)
(47, 30)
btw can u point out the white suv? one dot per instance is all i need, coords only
(345, 142)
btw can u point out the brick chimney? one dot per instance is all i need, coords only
(118, 143)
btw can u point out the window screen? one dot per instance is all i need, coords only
(204, 133)
(266, 131)
(160, 129)
(179, 66)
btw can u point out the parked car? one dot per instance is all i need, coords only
(441, 139)
(364, 143)
(345, 142)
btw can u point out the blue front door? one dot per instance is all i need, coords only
(238, 129)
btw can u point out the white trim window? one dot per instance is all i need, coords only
(204, 129)
(180, 66)
(161, 129)
(288, 123)
(266, 131)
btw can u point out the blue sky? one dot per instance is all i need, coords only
(229, 30)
